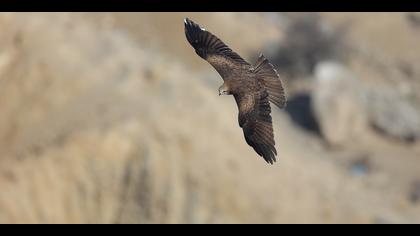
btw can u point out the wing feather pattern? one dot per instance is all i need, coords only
(256, 122)
(212, 49)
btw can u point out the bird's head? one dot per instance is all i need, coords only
(224, 90)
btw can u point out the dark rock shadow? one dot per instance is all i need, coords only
(300, 111)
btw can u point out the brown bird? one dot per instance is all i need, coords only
(251, 86)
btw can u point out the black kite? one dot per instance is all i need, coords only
(252, 87)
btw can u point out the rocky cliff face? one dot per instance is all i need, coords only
(105, 119)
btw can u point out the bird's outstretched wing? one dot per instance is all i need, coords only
(212, 49)
(256, 122)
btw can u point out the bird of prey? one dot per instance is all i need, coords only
(252, 86)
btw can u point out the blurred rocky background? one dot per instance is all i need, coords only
(112, 118)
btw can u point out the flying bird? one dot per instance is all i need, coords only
(252, 86)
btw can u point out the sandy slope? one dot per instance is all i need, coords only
(99, 126)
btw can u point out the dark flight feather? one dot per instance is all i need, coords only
(256, 123)
(212, 49)
(205, 43)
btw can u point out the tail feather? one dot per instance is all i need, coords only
(271, 81)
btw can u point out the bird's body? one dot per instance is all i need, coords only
(252, 87)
